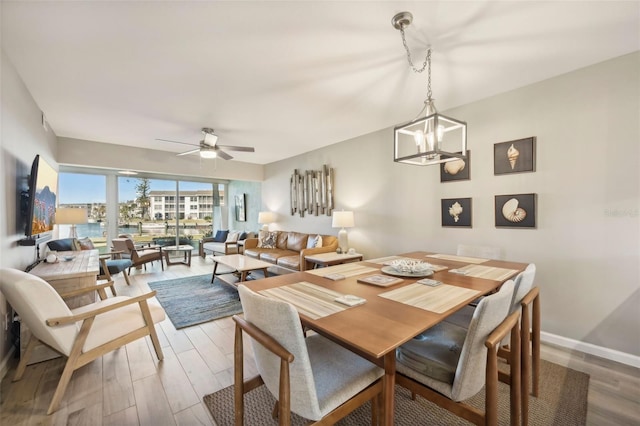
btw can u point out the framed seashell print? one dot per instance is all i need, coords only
(457, 169)
(516, 156)
(456, 212)
(515, 211)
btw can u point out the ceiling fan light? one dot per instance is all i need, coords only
(206, 153)
(210, 138)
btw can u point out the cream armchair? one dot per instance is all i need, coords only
(81, 334)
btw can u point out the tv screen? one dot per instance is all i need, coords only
(43, 190)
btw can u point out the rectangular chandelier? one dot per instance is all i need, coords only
(432, 139)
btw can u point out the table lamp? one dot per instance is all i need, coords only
(71, 216)
(265, 218)
(343, 220)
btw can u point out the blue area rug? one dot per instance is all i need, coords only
(193, 300)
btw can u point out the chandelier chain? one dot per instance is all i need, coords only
(428, 61)
(413, 67)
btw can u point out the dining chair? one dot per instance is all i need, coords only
(526, 299)
(448, 364)
(138, 256)
(81, 334)
(312, 377)
(482, 252)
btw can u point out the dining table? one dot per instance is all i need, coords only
(388, 315)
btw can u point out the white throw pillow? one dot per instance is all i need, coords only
(232, 237)
(315, 241)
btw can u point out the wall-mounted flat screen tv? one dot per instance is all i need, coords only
(42, 198)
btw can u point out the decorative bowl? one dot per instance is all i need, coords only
(410, 266)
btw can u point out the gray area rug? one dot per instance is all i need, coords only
(562, 401)
(193, 300)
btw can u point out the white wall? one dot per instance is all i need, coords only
(22, 137)
(587, 241)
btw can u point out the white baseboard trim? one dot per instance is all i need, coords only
(4, 364)
(588, 348)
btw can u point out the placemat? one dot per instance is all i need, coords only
(308, 299)
(435, 299)
(488, 272)
(465, 259)
(346, 269)
(387, 261)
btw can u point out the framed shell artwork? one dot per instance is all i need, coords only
(456, 212)
(517, 156)
(515, 211)
(457, 169)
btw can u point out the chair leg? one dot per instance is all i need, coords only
(238, 370)
(22, 365)
(535, 345)
(126, 276)
(70, 366)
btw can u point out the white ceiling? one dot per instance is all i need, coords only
(288, 77)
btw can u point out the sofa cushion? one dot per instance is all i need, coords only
(297, 241)
(221, 236)
(290, 262)
(86, 243)
(281, 243)
(273, 255)
(314, 241)
(242, 236)
(64, 244)
(267, 239)
(232, 237)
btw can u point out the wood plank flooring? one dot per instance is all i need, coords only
(130, 387)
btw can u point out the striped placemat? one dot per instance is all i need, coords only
(465, 259)
(488, 272)
(435, 299)
(387, 261)
(308, 299)
(346, 269)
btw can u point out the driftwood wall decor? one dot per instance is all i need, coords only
(312, 191)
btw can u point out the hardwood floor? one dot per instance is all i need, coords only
(130, 387)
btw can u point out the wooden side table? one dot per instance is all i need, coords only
(329, 259)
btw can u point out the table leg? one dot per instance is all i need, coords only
(388, 387)
(243, 276)
(215, 267)
(264, 271)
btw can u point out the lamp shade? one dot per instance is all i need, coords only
(71, 216)
(266, 217)
(342, 220)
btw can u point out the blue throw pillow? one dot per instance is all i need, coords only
(221, 236)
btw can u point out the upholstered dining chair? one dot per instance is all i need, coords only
(449, 364)
(81, 334)
(312, 377)
(483, 252)
(526, 299)
(138, 256)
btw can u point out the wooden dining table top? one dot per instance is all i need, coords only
(380, 325)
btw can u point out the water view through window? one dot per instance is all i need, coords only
(154, 211)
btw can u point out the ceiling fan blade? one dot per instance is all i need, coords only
(223, 155)
(238, 148)
(193, 151)
(168, 140)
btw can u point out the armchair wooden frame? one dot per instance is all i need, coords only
(282, 409)
(77, 358)
(511, 325)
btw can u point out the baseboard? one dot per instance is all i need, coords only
(588, 348)
(4, 364)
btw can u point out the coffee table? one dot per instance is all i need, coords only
(239, 263)
(185, 249)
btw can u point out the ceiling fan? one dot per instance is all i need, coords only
(208, 147)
